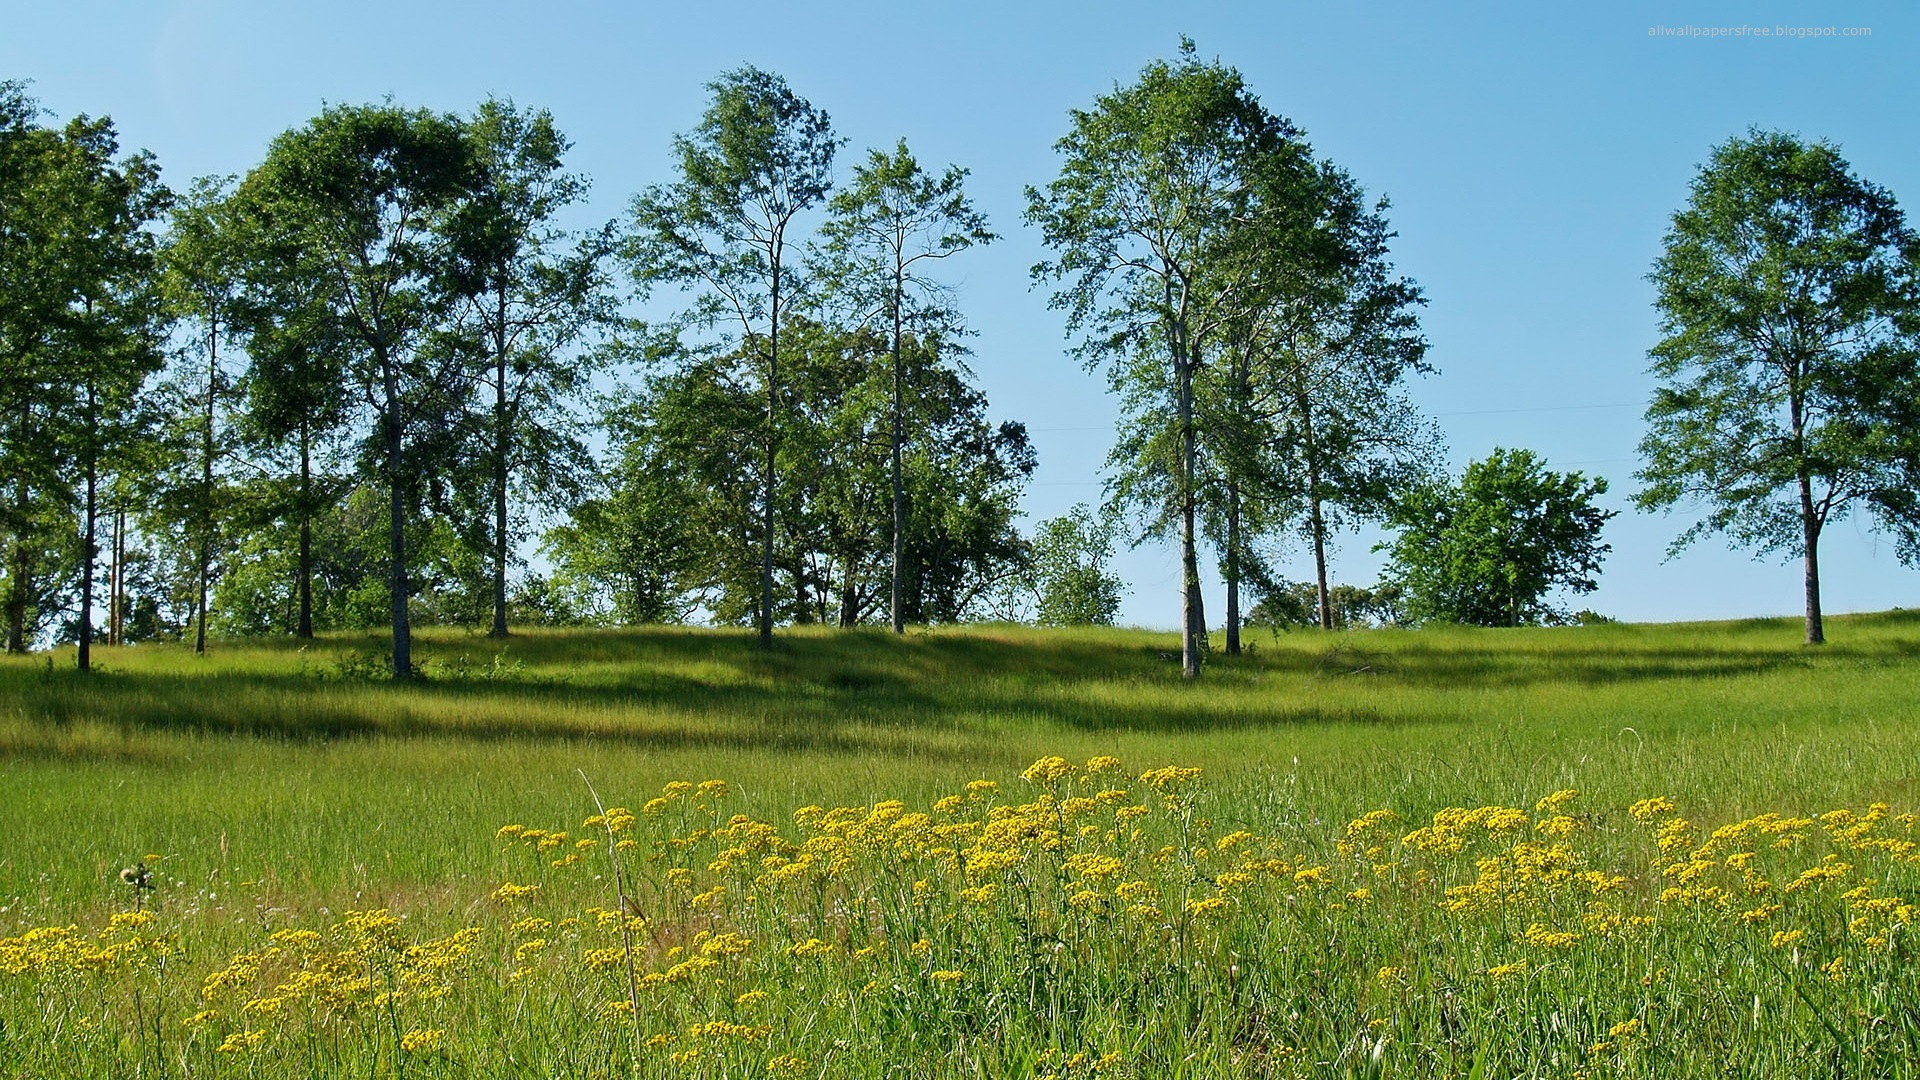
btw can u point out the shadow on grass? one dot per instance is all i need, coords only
(865, 690)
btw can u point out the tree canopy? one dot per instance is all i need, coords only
(1490, 549)
(1789, 294)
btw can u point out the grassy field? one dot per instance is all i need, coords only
(281, 787)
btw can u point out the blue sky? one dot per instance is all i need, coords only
(1533, 154)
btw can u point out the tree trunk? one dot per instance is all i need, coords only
(1233, 569)
(895, 600)
(116, 557)
(18, 580)
(773, 450)
(849, 595)
(1192, 621)
(1810, 539)
(396, 527)
(1809, 521)
(303, 626)
(17, 586)
(1316, 518)
(502, 436)
(89, 550)
(206, 495)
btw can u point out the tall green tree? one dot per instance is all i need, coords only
(354, 203)
(760, 157)
(1334, 354)
(200, 277)
(1489, 550)
(296, 404)
(533, 292)
(890, 224)
(79, 336)
(1789, 294)
(1152, 215)
(33, 301)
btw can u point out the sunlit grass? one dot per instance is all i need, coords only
(284, 786)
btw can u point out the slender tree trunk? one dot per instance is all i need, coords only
(1233, 568)
(1810, 539)
(773, 450)
(303, 625)
(502, 444)
(895, 599)
(1192, 622)
(1323, 595)
(1809, 521)
(1316, 517)
(396, 527)
(849, 595)
(116, 552)
(89, 549)
(22, 571)
(206, 495)
(17, 583)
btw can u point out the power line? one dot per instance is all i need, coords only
(1540, 408)
(1449, 412)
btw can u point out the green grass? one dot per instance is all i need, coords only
(282, 784)
(264, 758)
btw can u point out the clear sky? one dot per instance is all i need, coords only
(1534, 154)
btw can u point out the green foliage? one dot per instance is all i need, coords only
(893, 218)
(1789, 294)
(1292, 604)
(80, 332)
(349, 546)
(188, 489)
(1172, 191)
(350, 207)
(1071, 582)
(531, 296)
(1308, 422)
(760, 157)
(675, 531)
(1489, 550)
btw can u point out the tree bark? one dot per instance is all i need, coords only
(773, 451)
(303, 626)
(1810, 539)
(502, 436)
(895, 599)
(1316, 517)
(206, 496)
(17, 581)
(849, 595)
(89, 549)
(1233, 569)
(396, 526)
(17, 587)
(1192, 621)
(1809, 521)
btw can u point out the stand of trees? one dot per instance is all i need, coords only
(381, 350)
(1237, 292)
(351, 387)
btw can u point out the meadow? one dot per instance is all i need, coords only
(1602, 851)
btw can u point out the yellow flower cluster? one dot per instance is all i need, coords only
(725, 926)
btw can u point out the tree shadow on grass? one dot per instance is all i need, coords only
(870, 690)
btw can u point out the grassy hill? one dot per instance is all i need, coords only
(281, 750)
(334, 892)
